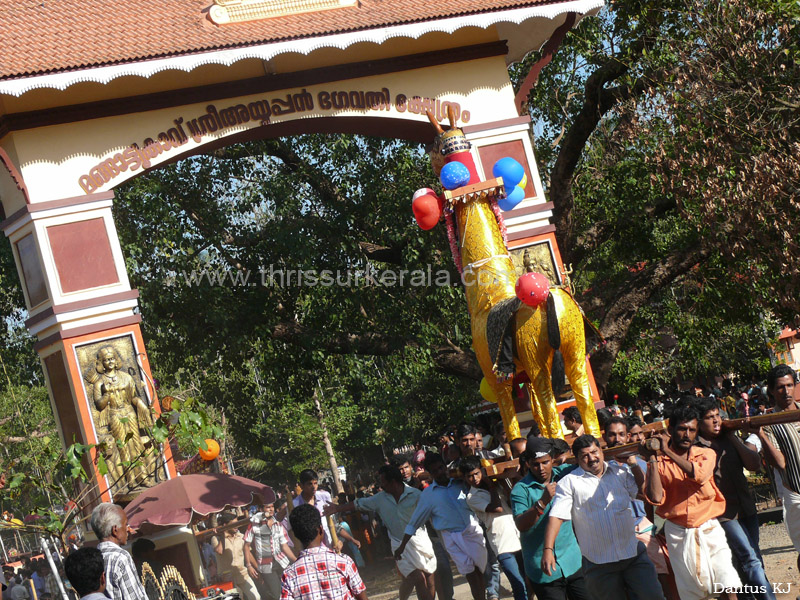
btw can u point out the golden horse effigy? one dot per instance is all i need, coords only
(509, 336)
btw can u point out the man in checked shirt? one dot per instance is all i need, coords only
(267, 552)
(319, 573)
(110, 525)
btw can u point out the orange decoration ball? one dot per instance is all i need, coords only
(212, 452)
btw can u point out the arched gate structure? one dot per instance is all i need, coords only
(94, 93)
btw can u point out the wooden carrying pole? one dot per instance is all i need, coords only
(786, 416)
(496, 471)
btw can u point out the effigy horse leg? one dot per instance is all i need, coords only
(536, 361)
(535, 355)
(502, 389)
(573, 348)
(579, 381)
(505, 402)
(547, 403)
(535, 409)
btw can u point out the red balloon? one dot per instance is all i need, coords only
(533, 289)
(616, 396)
(427, 208)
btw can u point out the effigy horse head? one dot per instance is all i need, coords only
(454, 164)
(446, 142)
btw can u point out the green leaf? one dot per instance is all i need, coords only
(102, 466)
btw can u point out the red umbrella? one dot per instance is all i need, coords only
(179, 500)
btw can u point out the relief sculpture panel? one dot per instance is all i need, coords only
(538, 258)
(121, 410)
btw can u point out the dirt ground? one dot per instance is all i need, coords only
(780, 560)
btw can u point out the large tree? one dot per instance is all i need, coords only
(669, 136)
(217, 244)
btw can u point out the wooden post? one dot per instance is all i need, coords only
(331, 461)
(326, 440)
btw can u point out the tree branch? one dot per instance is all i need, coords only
(455, 361)
(292, 161)
(596, 104)
(391, 255)
(205, 230)
(37, 434)
(638, 290)
(370, 343)
(450, 359)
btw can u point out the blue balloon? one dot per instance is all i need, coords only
(516, 196)
(454, 175)
(510, 170)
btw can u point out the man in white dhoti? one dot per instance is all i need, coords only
(680, 484)
(395, 504)
(444, 502)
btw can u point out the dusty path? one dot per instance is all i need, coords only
(780, 560)
(779, 556)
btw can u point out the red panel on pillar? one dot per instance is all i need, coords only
(491, 153)
(83, 256)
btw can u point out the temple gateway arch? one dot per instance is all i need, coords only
(93, 94)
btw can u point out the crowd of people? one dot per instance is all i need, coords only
(671, 517)
(34, 580)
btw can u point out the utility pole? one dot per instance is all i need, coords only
(326, 440)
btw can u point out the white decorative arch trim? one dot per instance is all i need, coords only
(505, 20)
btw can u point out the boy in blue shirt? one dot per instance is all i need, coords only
(445, 502)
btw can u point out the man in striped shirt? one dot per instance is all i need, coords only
(110, 525)
(781, 447)
(596, 497)
(267, 552)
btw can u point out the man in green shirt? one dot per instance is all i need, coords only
(530, 504)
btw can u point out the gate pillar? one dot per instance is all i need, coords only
(84, 313)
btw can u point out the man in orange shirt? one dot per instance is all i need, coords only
(680, 484)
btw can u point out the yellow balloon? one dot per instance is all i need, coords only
(524, 181)
(487, 392)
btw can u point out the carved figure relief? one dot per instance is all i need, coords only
(536, 258)
(121, 412)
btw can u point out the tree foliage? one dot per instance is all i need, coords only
(30, 444)
(669, 131)
(258, 343)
